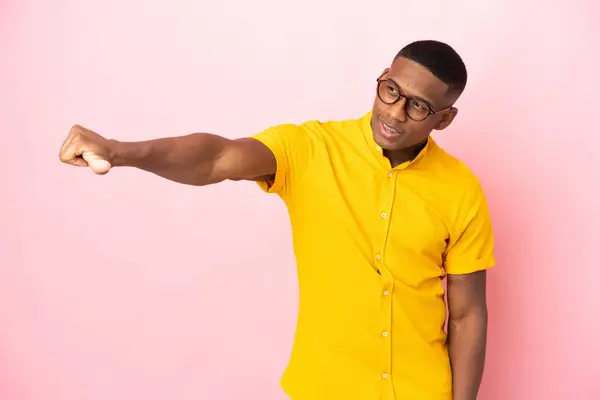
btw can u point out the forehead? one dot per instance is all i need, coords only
(416, 80)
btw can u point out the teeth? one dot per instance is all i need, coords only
(389, 129)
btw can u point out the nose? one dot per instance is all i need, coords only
(398, 110)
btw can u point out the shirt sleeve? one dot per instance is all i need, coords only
(292, 146)
(472, 249)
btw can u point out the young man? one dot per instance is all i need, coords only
(380, 216)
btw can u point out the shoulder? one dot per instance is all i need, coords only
(334, 126)
(341, 134)
(460, 188)
(315, 135)
(346, 125)
(453, 170)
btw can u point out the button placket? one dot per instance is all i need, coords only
(387, 282)
(386, 320)
(387, 285)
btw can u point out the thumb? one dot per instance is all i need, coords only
(97, 164)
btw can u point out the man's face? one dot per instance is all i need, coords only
(393, 129)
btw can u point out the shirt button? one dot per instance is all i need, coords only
(384, 334)
(383, 215)
(384, 375)
(377, 256)
(390, 175)
(378, 148)
(385, 292)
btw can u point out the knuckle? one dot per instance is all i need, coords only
(77, 131)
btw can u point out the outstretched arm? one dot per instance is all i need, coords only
(197, 159)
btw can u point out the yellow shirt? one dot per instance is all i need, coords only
(372, 245)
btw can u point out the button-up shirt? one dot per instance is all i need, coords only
(373, 244)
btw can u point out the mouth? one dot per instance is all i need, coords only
(388, 130)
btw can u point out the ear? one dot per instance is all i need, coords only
(447, 118)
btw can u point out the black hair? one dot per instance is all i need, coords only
(441, 60)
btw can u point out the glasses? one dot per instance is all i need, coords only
(415, 108)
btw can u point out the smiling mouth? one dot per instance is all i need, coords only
(387, 129)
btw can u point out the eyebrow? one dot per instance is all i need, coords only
(433, 108)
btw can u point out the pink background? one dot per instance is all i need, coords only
(132, 287)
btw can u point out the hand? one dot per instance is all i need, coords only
(85, 148)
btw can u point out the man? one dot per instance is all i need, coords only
(380, 216)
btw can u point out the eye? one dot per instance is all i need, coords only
(392, 90)
(418, 105)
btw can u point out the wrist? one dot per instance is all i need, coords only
(126, 154)
(115, 153)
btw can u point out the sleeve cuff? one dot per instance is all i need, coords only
(275, 186)
(460, 267)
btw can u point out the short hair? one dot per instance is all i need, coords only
(441, 60)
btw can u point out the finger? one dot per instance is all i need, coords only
(96, 163)
(65, 153)
(67, 142)
(69, 138)
(68, 154)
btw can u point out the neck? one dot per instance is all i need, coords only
(398, 157)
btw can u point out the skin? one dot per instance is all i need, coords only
(202, 159)
(467, 332)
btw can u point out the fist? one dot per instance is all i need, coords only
(85, 148)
